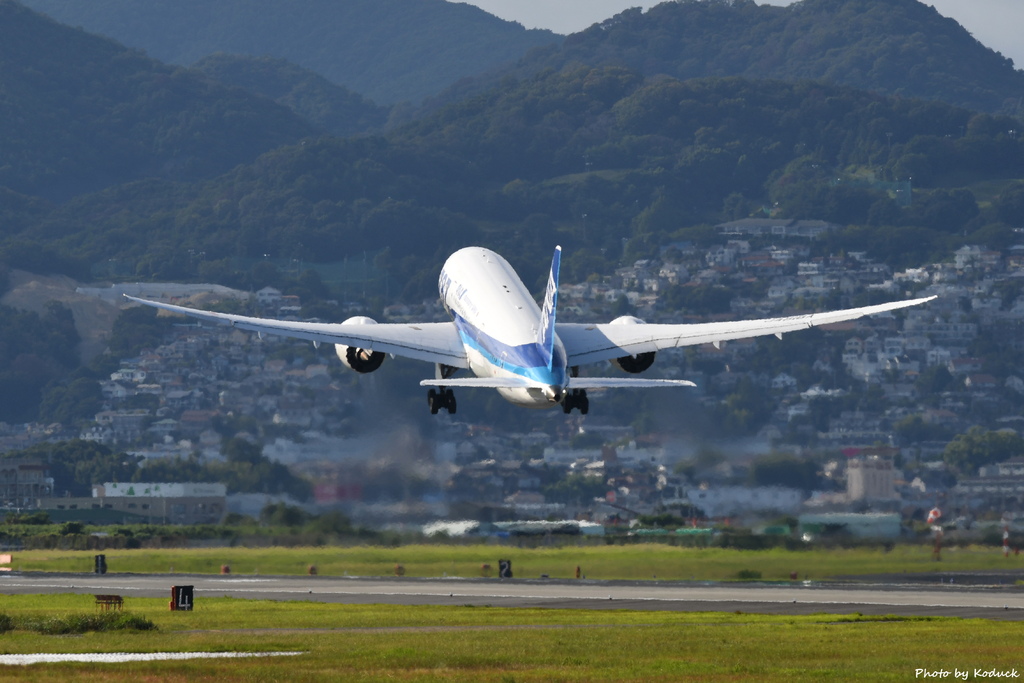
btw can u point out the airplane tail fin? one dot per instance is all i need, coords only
(546, 330)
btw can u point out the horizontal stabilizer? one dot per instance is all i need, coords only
(484, 382)
(574, 383)
(625, 383)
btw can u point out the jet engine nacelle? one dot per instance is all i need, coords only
(639, 362)
(357, 359)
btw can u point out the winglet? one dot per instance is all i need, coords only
(546, 332)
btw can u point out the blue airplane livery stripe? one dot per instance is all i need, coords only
(525, 360)
(546, 333)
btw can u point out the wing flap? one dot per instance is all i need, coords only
(430, 342)
(593, 343)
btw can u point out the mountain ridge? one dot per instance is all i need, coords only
(331, 107)
(895, 47)
(386, 50)
(82, 112)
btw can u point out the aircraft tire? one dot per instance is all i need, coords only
(449, 401)
(433, 400)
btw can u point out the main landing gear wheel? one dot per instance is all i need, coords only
(441, 398)
(577, 398)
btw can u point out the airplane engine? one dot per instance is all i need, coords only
(357, 359)
(633, 364)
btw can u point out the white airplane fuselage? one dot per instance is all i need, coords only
(512, 345)
(498, 322)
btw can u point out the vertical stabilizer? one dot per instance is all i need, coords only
(546, 331)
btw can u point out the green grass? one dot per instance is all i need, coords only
(635, 561)
(376, 643)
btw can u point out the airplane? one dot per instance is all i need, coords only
(509, 343)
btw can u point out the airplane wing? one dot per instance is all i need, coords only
(592, 343)
(430, 342)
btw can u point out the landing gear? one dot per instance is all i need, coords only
(577, 398)
(441, 398)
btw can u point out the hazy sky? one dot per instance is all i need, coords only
(996, 23)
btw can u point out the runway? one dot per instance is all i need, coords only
(1003, 602)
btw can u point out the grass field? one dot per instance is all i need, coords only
(389, 643)
(638, 561)
(382, 642)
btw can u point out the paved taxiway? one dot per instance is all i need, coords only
(988, 602)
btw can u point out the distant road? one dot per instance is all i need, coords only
(986, 602)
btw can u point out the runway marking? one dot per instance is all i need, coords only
(121, 657)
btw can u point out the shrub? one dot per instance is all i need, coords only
(73, 624)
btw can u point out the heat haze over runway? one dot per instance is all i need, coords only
(1003, 602)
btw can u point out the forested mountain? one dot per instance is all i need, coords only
(328, 106)
(34, 350)
(172, 175)
(387, 50)
(587, 157)
(80, 113)
(897, 47)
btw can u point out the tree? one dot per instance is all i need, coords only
(242, 451)
(784, 470)
(332, 522)
(575, 489)
(76, 465)
(282, 514)
(745, 410)
(1010, 205)
(135, 329)
(934, 380)
(79, 400)
(914, 429)
(35, 350)
(969, 451)
(946, 210)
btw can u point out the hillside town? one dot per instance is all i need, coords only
(873, 407)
